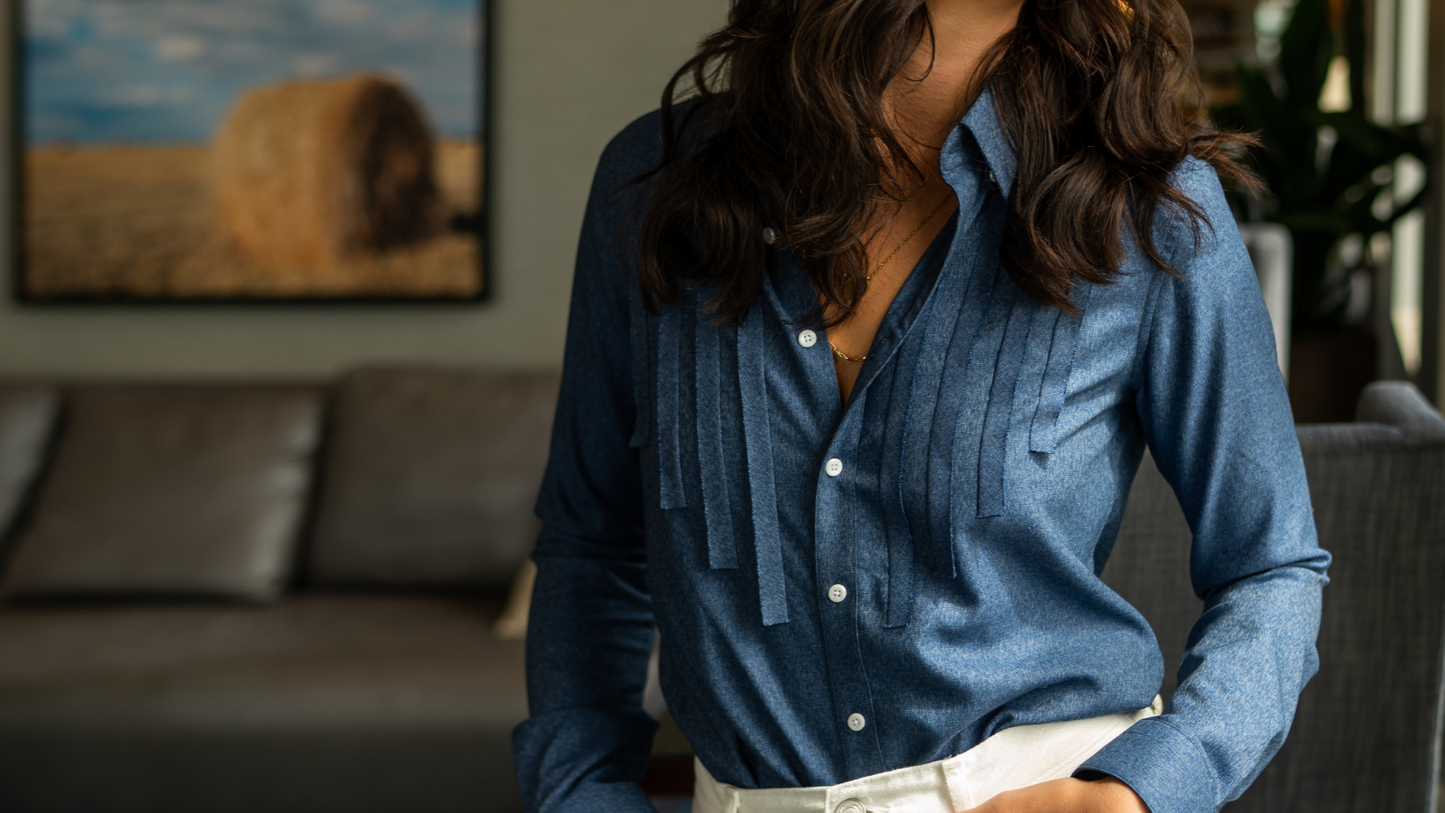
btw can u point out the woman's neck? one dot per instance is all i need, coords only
(927, 97)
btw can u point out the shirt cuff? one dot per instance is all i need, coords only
(583, 760)
(613, 797)
(1165, 766)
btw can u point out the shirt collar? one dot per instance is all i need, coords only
(980, 122)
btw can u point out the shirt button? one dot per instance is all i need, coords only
(770, 235)
(856, 721)
(807, 338)
(851, 806)
(834, 467)
(837, 593)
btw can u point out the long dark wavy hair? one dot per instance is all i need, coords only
(1098, 96)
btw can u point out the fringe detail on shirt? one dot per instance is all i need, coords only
(927, 393)
(669, 407)
(716, 498)
(1013, 438)
(1043, 435)
(898, 538)
(996, 420)
(969, 447)
(767, 539)
(637, 334)
(946, 337)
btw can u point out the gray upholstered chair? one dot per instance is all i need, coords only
(1368, 732)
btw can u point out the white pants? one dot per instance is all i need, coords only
(1013, 758)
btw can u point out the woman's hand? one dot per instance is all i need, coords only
(1106, 795)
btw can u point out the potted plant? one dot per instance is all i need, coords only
(1329, 172)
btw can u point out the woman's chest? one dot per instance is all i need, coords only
(976, 405)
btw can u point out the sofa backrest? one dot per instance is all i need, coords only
(27, 418)
(427, 479)
(1366, 736)
(181, 491)
(431, 477)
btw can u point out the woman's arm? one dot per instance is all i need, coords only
(590, 629)
(1216, 417)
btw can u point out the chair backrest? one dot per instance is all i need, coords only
(1367, 735)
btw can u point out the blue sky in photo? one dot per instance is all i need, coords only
(168, 71)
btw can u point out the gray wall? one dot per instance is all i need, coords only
(569, 74)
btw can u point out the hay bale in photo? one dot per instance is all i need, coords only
(311, 172)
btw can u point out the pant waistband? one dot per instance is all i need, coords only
(1013, 758)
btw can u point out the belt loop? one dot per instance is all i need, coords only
(956, 778)
(710, 795)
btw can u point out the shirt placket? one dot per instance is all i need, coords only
(843, 479)
(837, 581)
(833, 582)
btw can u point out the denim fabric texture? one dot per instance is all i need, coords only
(986, 455)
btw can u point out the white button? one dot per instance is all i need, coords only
(834, 467)
(837, 593)
(770, 235)
(807, 338)
(851, 806)
(856, 721)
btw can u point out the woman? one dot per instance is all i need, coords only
(867, 342)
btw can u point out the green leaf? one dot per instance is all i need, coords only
(1318, 222)
(1305, 49)
(1354, 36)
(1383, 145)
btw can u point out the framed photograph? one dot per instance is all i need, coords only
(242, 151)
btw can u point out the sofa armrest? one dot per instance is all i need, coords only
(1400, 404)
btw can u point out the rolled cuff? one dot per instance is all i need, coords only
(583, 760)
(1165, 766)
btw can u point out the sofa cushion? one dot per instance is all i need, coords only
(27, 415)
(315, 658)
(431, 477)
(317, 703)
(191, 491)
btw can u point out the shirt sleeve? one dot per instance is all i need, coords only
(589, 633)
(1216, 417)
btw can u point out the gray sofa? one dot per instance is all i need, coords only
(280, 598)
(265, 598)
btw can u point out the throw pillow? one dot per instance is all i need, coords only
(172, 491)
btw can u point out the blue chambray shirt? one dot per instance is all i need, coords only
(710, 480)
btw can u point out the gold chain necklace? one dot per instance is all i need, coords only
(839, 353)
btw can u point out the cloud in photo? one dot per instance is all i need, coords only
(167, 71)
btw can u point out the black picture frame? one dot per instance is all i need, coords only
(474, 224)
